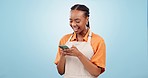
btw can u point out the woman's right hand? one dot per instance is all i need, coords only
(62, 52)
(61, 63)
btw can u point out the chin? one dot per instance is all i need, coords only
(77, 32)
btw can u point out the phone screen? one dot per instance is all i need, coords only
(64, 47)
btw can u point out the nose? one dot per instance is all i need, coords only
(73, 24)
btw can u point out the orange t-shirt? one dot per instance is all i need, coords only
(98, 46)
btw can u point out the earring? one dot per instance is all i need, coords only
(87, 23)
(86, 27)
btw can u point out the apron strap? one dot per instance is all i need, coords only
(70, 38)
(89, 37)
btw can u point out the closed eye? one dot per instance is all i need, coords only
(77, 21)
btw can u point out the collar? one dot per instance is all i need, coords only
(85, 38)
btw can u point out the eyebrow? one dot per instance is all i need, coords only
(75, 19)
(70, 19)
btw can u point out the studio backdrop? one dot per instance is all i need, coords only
(30, 31)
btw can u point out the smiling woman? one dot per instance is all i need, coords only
(31, 29)
(85, 57)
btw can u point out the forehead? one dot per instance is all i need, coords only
(75, 14)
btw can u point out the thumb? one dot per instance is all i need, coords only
(73, 46)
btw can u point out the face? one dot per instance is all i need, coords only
(78, 21)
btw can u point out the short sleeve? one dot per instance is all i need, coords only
(62, 42)
(99, 57)
(57, 57)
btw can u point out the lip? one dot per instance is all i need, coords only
(75, 28)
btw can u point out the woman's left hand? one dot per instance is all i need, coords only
(73, 51)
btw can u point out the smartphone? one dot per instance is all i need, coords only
(63, 47)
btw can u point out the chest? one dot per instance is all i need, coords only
(84, 47)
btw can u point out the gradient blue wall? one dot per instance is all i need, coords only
(31, 29)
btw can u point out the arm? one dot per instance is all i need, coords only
(61, 64)
(89, 66)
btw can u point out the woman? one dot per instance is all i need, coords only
(85, 57)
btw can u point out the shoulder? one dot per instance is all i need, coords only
(64, 39)
(97, 42)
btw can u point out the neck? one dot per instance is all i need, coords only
(82, 34)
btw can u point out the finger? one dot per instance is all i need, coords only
(70, 54)
(67, 50)
(64, 53)
(72, 46)
(64, 50)
(61, 50)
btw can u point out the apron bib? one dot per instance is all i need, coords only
(73, 67)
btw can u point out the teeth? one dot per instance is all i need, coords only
(75, 28)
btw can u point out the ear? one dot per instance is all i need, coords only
(87, 19)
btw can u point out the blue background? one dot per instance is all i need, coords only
(30, 31)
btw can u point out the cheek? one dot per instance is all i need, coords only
(70, 24)
(82, 25)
